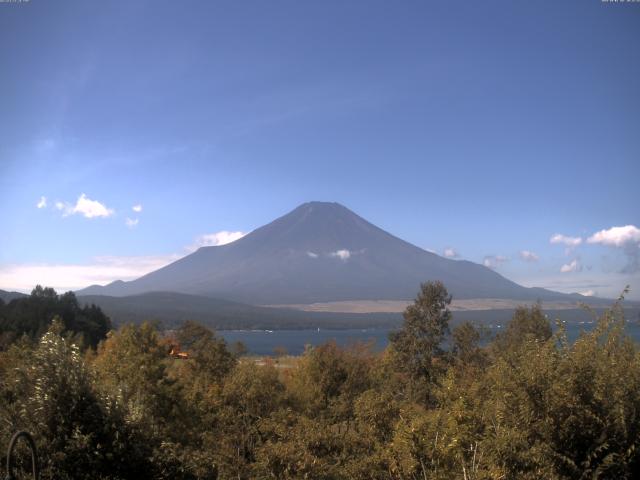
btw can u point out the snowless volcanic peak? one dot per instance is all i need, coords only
(320, 252)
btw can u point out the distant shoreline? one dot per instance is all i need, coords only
(398, 306)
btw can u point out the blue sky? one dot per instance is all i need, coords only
(485, 128)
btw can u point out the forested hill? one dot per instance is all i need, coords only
(172, 309)
(6, 297)
(32, 315)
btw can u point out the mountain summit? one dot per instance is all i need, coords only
(320, 252)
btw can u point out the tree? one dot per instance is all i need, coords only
(208, 353)
(132, 365)
(250, 394)
(418, 343)
(76, 432)
(328, 378)
(32, 316)
(526, 324)
(466, 345)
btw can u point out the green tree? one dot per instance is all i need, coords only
(417, 346)
(526, 323)
(32, 316)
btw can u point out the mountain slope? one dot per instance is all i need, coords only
(320, 252)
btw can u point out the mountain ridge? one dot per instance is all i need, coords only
(7, 296)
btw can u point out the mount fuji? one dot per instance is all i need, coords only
(321, 252)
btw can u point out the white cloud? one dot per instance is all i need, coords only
(343, 255)
(131, 222)
(616, 236)
(494, 261)
(563, 239)
(42, 203)
(312, 255)
(215, 239)
(63, 277)
(573, 266)
(86, 207)
(450, 253)
(627, 238)
(91, 208)
(588, 293)
(528, 256)
(137, 208)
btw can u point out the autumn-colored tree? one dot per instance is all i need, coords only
(528, 405)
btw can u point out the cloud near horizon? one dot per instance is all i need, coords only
(101, 271)
(64, 277)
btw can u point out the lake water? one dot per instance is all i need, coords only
(263, 342)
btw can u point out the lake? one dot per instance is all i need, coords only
(263, 342)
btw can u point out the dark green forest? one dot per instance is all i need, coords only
(114, 404)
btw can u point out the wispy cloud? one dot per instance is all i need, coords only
(528, 256)
(573, 266)
(215, 239)
(450, 253)
(312, 255)
(494, 261)
(131, 222)
(42, 203)
(626, 238)
(86, 207)
(137, 208)
(565, 240)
